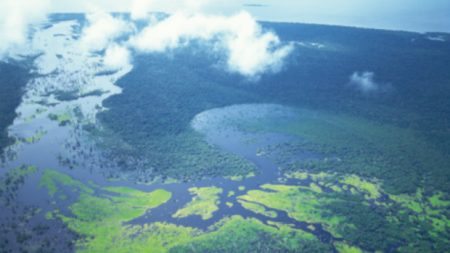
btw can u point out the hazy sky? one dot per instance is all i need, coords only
(413, 15)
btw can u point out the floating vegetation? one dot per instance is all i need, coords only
(204, 203)
(236, 234)
(52, 179)
(101, 219)
(257, 208)
(300, 203)
(359, 210)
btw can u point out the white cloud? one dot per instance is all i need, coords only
(365, 81)
(251, 51)
(102, 30)
(16, 16)
(195, 6)
(116, 57)
(140, 8)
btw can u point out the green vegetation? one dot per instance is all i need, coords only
(36, 137)
(340, 183)
(154, 112)
(51, 179)
(239, 178)
(400, 157)
(412, 202)
(437, 200)
(371, 190)
(356, 212)
(185, 156)
(239, 235)
(101, 220)
(298, 175)
(17, 174)
(204, 203)
(257, 208)
(62, 118)
(433, 211)
(398, 134)
(388, 143)
(301, 203)
(314, 187)
(378, 166)
(345, 248)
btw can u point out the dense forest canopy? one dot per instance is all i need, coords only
(409, 70)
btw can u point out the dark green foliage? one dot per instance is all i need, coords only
(155, 110)
(386, 228)
(371, 230)
(162, 94)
